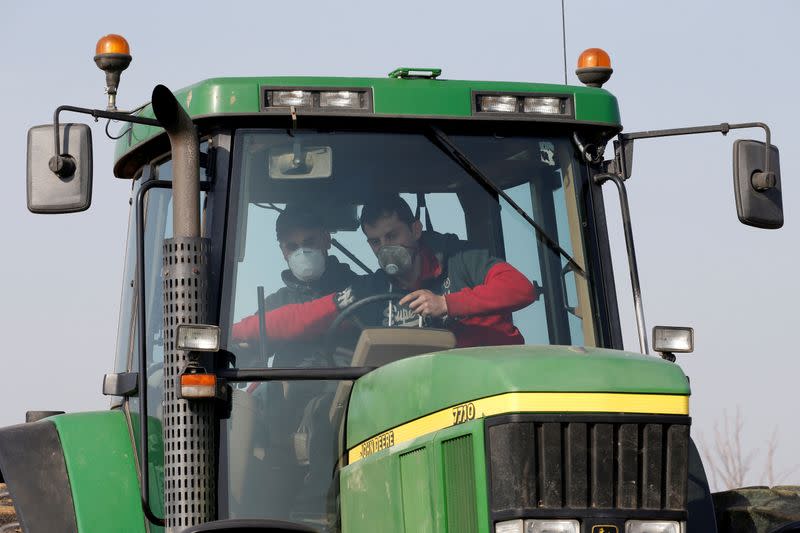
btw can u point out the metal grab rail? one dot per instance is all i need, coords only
(600, 179)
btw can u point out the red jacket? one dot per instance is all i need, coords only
(479, 315)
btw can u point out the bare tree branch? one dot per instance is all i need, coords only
(727, 463)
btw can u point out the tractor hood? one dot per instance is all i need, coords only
(574, 379)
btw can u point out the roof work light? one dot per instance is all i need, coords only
(556, 106)
(318, 99)
(112, 55)
(594, 67)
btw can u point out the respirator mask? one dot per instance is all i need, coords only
(395, 259)
(307, 264)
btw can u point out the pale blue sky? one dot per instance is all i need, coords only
(676, 64)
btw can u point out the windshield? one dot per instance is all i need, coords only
(333, 233)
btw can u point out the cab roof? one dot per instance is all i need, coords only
(389, 97)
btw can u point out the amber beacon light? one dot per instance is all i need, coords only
(112, 55)
(594, 67)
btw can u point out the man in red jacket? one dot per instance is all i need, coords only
(446, 281)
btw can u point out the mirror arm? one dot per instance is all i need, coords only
(63, 164)
(600, 179)
(723, 128)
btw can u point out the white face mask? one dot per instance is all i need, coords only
(307, 264)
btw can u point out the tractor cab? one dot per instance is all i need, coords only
(285, 438)
(486, 190)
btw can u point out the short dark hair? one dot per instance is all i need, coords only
(294, 217)
(386, 206)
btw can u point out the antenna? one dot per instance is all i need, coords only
(564, 39)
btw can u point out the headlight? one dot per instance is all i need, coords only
(509, 526)
(538, 526)
(552, 526)
(652, 526)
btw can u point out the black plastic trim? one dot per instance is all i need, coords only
(595, 418)
(581, 514)
(605, 289)
(35, 416)
(33, 466)
(602, 481)
(246, 375)
(613, 514)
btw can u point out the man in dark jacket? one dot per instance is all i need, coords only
(306, 463)
(304, 242)
(446, 281)
(312, 273)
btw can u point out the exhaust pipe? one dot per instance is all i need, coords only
(185, 162)
(189, 427)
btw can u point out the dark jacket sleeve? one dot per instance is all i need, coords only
(277, 299)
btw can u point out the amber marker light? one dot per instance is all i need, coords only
(594, 67)
(198, 385)
(112, 44)
(112, 56)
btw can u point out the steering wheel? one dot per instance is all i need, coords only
(329, 347)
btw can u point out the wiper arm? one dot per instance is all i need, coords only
(341, 247)
(443, 142)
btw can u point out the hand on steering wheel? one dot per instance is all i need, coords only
(347, 306)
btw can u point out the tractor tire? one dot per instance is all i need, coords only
(8, 517)
(758, 509)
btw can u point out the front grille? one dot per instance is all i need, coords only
(542, 463)
(459, 479)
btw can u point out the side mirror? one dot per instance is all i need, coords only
(758, 194)
(59, 185)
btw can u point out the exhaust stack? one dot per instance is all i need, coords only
(189, 474)
(185, 162)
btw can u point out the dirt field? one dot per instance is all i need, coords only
(7, 514)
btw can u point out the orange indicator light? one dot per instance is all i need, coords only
(198, 386)
(199, 380)
(594, 57)
(594, 67)
(112, 44)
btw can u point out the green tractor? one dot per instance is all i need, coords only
(470, 378)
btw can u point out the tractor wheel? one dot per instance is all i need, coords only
(758, 509)
(8, 517)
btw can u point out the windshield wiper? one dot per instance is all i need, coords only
(443, 142)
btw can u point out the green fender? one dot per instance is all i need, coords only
(73, 472)
(101, 464)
